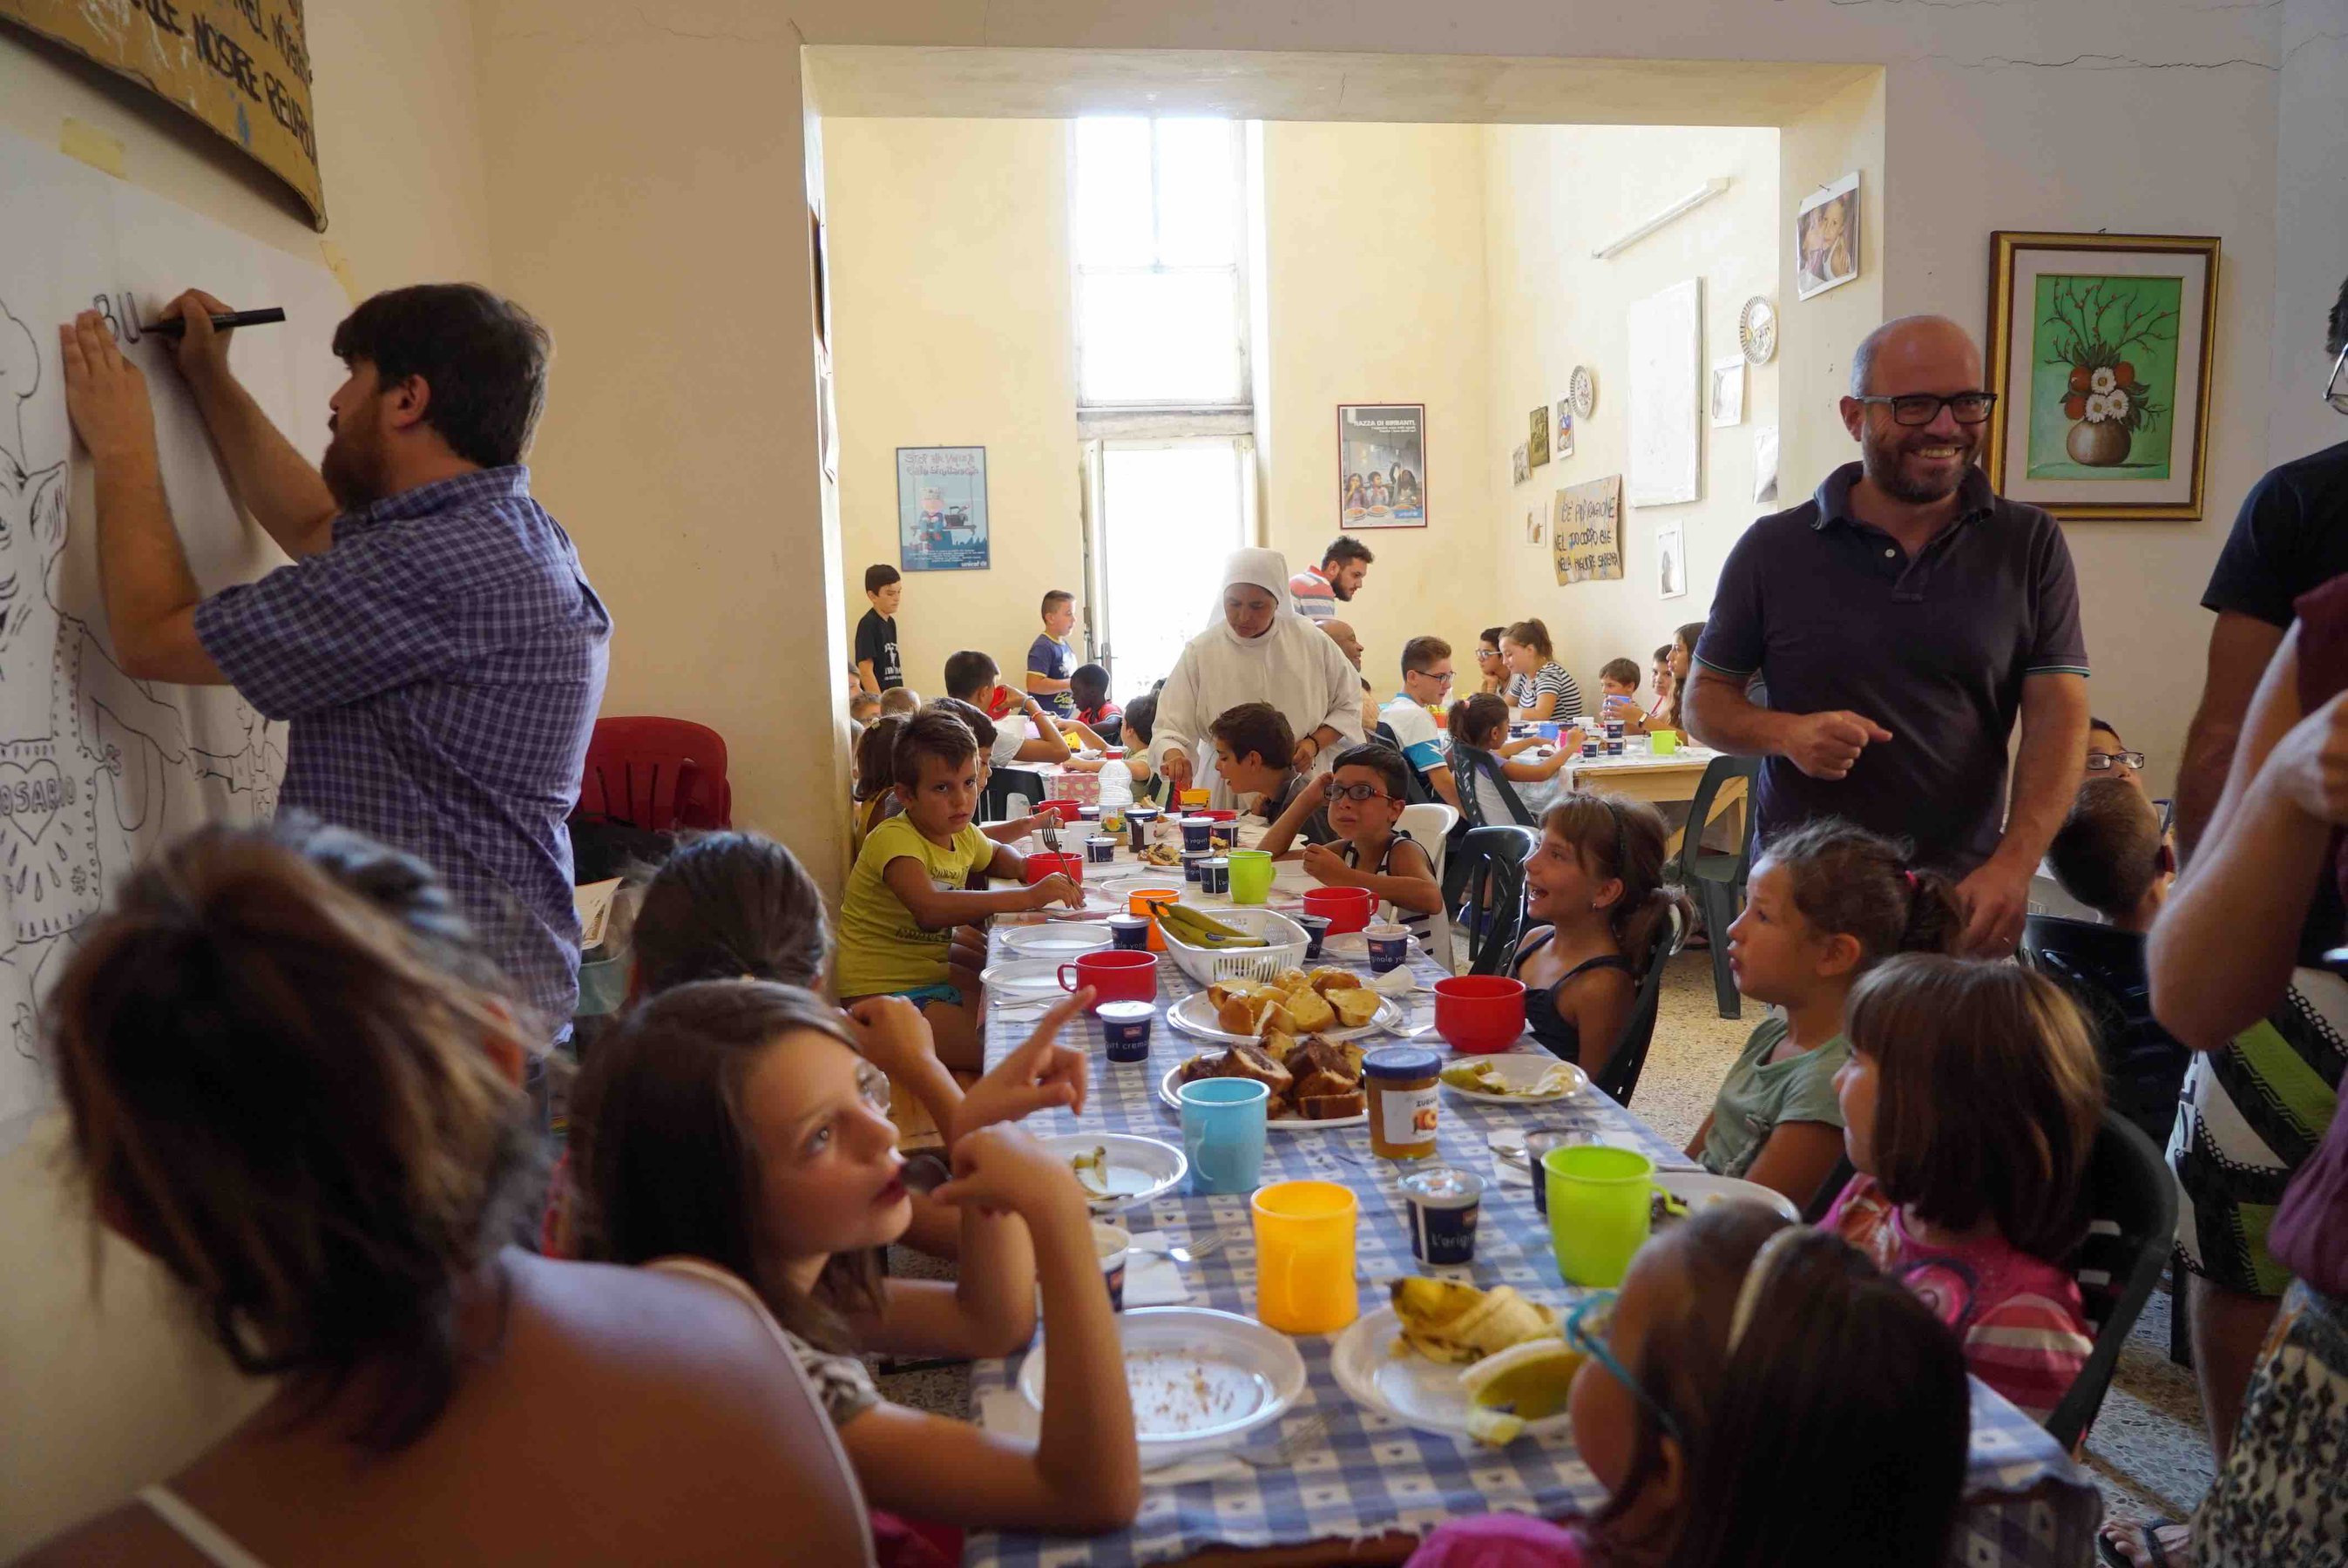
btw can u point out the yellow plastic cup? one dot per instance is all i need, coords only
(1598, 1210)
(1198, 797)
(1663, 742)
(1250, 876)
(1304, 1256)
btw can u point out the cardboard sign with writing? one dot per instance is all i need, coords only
(1588, 530)
(242, 66)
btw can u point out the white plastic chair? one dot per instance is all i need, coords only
(1429, 824)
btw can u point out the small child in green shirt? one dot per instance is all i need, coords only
(1827, 903)
(909, 888)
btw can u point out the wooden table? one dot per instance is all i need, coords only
(1638, 775)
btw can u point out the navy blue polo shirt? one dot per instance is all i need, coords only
(1833, 613)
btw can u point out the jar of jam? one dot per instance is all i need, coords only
(1400, 1084)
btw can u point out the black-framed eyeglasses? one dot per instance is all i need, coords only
(1923, 408)
(2105, 762)
(1356, 792)
(2335, 390)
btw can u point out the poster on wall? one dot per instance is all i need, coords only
(242, 66)
(1587, 531)
(942, 509)
(1670, 561)
(1826, 238)
(2100, 349)
(1666, 393)
(96, 768)
(1381, 465)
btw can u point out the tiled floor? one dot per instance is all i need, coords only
(2148, 1451)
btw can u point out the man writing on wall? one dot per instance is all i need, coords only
(435, 643)
(1903, 618)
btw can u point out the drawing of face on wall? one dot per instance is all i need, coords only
(32, 521)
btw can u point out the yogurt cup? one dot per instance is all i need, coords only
(1215, 874)
(1443, 1205)
(1316, 931)
(1100, 850)
(1126, 1027)
(1389, 944)
(1198, 832)
(1130, 932)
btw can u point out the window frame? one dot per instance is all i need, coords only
(1244, 402)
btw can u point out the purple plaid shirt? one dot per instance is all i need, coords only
(442, 665)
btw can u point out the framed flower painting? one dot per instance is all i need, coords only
(2100, 351)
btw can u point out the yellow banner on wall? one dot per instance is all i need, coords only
(242, 66)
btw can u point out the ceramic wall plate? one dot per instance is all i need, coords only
(1584, 389)
(1757, 330)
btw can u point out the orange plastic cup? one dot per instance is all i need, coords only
(1304, 1256)
(1147, 901)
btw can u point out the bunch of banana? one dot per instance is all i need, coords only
(1189, 926)
(1447, 1321)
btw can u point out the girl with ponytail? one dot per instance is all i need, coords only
(1480, 723)
(1828, 902)
(1596, 884)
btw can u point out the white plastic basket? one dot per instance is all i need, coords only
(1209, 965)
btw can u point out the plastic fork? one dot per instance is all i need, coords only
(1288, 1449)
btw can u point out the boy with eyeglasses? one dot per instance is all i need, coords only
(1426, 689)
(1365, 795)
(2109, 758)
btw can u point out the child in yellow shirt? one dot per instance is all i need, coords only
(909, 888)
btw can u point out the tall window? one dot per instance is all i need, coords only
(1159, 229)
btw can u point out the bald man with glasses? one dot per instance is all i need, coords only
(1903, 621)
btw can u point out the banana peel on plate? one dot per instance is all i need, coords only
(1457, 1324)
(1523, 1384)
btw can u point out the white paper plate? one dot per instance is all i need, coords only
(1252, 1375)
(1520, 1070)
(1419, 1393)
(1140, 1169)
(1194, 1014)
(1059, 942)
(1023, 980)
(1169, 1084)
(1696, 1188)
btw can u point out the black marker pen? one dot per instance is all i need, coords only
(221, 321)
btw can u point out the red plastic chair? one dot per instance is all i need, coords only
(657, 774)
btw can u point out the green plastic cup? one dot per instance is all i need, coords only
(1251, 875)
(1664, 742)
(1598, 1210)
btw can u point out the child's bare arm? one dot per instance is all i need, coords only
(936, 908)
(1797, 1158)
(1410, 885)
(1290, 820)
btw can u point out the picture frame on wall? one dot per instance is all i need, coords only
(1382, 466)
(1826, 238)
(1726, 401)
(1520, 463)
(942, 509)
(1537, 435)
(1670, 561)
(1562, 446)
(2100, 353)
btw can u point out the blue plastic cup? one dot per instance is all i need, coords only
(1222, 1133)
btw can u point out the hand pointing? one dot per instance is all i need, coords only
(1825, 745)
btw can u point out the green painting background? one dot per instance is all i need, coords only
(2156, 363)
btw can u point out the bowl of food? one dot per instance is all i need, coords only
(1479, 1014)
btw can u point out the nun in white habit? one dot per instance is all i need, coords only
(1259, 650)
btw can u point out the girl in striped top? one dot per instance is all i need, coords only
(1539, 686)
(1969, 1103)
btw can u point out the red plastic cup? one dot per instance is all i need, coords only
(1065, 810)
(1115, 974)
(1041, 866)
(1477, 1015)
(1346, 908)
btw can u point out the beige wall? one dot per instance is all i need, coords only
(1553, 194)
(646, 183)
(1373, 288)
(101, 1392)
(952, 327)
(1818, 336)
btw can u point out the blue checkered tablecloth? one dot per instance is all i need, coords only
(2029, 1506)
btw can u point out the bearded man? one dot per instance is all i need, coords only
(434, 642)
(1901, 620)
